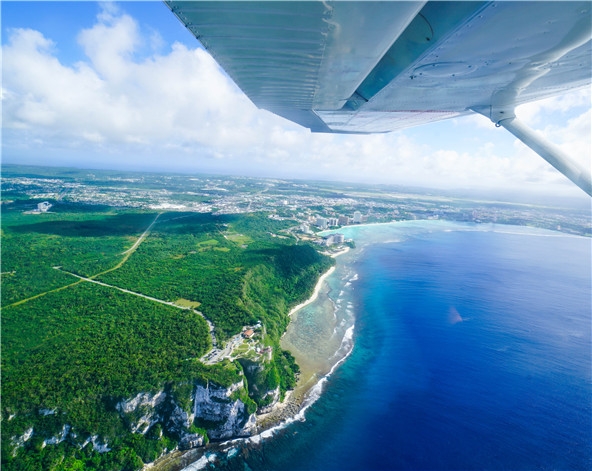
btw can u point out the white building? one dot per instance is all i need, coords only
(332, 222)
(44, 207)
(333, 239)
(305, 228)
(357, 217)
(322, 223)
(327, 240)
(338, 238)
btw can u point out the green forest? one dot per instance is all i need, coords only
(72, 348)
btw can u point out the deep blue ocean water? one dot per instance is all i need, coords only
(472, 352)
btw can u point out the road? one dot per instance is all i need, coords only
(156, 300)
(142, 237)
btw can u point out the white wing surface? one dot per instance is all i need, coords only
(366, 67)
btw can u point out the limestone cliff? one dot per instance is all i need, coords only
(274, 397)
(215, 408)
(142, 411)
(223, 416)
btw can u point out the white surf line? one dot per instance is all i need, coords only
(142, 237)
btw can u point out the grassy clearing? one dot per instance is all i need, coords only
(209, 242)
(186, 303)
(241, 349)
(238, 238)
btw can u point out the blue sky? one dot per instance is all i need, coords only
(125, 85)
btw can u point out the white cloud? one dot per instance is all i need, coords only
(181, 96)
(110, 45)
(176, 109)
(538, 112)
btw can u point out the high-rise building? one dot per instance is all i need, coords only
(357, 217)
(333, 239)
(322, 223)
(327, 240)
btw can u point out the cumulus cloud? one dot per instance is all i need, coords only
(175, 108)
(112, 98)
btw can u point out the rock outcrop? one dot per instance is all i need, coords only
(275, 397)
(59, 438)
(141, 411)
(227, 417)
(215, 408)
(191, 440)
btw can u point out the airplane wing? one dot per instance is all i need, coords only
(367, 67)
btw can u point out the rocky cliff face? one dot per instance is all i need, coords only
(213, 408)
(217, 409)
(142, 411)
(226, 417)
(275, 398)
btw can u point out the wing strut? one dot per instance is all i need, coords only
(550, 152)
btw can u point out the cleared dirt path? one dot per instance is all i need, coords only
(141, 238)
(126, 254)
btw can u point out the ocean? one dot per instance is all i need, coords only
(471, 351)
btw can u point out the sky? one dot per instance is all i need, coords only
(126, 86)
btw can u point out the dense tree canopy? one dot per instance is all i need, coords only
(72, 349)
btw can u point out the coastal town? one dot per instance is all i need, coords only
(312, 206)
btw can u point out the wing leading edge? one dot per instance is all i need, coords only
(366, 67)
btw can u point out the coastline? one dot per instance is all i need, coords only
(341, 252)
(315, 293)
(291, 409)
(295, 401)
(319, 285)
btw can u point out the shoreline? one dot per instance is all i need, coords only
(294, 402)
(281, 414)
(314, 295)
(341, 252)
(318, 286)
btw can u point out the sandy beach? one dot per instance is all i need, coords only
(319, 285)
(315, 293)
(341, 252)
(293, 401)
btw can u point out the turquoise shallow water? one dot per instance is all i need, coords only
(471, 351)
